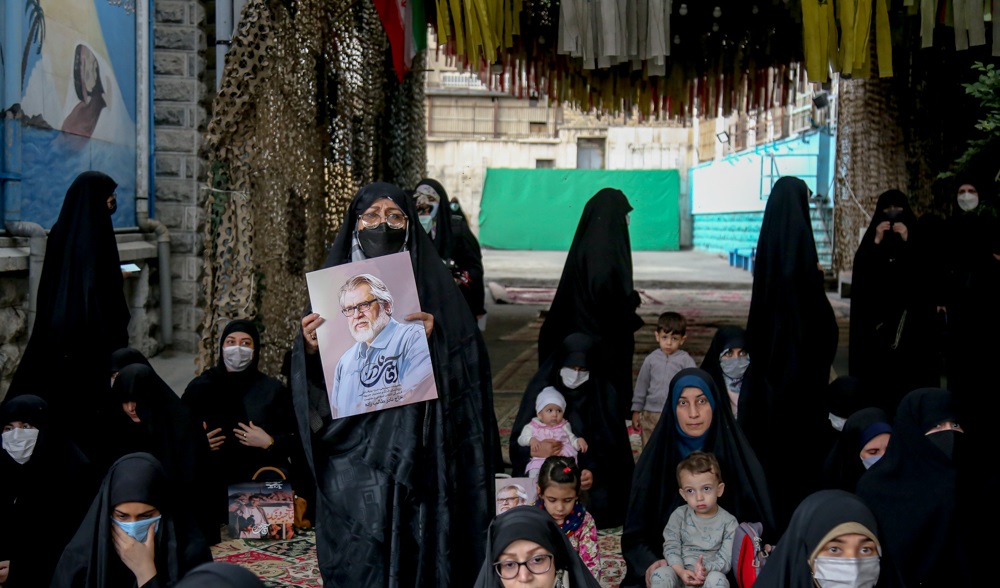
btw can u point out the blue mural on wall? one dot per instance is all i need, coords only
(79, 103)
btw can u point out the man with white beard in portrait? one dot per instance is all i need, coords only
(390, 361)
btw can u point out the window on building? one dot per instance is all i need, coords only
(545, 164)
(590, 153)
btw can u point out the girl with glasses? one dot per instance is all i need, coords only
(525, 548)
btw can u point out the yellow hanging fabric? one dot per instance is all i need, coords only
(846, 57)
(815, 39)
(456, 22)
(862, 38)
(442, 21)
(883, 39)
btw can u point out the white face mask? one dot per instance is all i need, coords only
(20, 443)
(836, 421)
(573, 379)
(870, 461)
(237, 358)
(846, 572)
(967, 201)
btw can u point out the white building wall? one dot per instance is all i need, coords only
(632, 147)
(460, 165)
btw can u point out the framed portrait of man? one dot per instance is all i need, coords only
(373, 359)
(511, 492)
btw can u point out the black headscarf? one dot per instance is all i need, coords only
(590, 411)
(127, 356)
(843, 466)
(166, 430)
(532, 524)
(458, 244)
(916, 494)
(90, 559)
(846, 395)
(223, 399)
(220, 575)
(596, 295)
(726, 337)
(654, 486)
(792, 332)
(442, 239)
(82, 316)
(817, 515)
(888, 349)
(30, 492)
(419, 494)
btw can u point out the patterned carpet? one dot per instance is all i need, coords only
(293, 562)
(290, 562)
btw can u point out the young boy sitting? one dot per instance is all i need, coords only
(652, 387)
(698, 538)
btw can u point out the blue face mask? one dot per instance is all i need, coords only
(870, 461)
(137, 529)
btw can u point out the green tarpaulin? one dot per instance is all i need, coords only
(538, 209)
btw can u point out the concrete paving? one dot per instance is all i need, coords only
(651, 269)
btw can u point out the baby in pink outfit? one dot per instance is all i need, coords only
(549, 424)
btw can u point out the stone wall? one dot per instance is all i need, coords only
(141, 295)
(13, 324)
(179, 119)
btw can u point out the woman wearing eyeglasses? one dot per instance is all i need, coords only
(405, 492)
(526, 549)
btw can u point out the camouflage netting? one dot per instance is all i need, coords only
(309, 110)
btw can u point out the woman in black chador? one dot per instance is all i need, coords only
(47, 487)
(654, 486)
(890, 317)
(134, 534)
(454, 242)
(607, 464)
(405, 494)
(916, 492)
(596, 295)
(246, 416)
(792, 333)
(82, 315)
(145, 415)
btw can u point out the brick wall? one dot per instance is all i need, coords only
(179, 119)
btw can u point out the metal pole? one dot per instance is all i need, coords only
(223, 36)
(12, 48)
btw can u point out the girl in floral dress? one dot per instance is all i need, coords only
(558, 494)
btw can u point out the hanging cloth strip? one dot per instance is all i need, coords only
(995, 17)
(927, 18)
(855, 46)
(819, 32)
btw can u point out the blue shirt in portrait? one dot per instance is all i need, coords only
(380, 375)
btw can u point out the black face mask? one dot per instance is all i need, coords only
(114, 207)
(381, 240)
(892, 215)
(945, 441)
